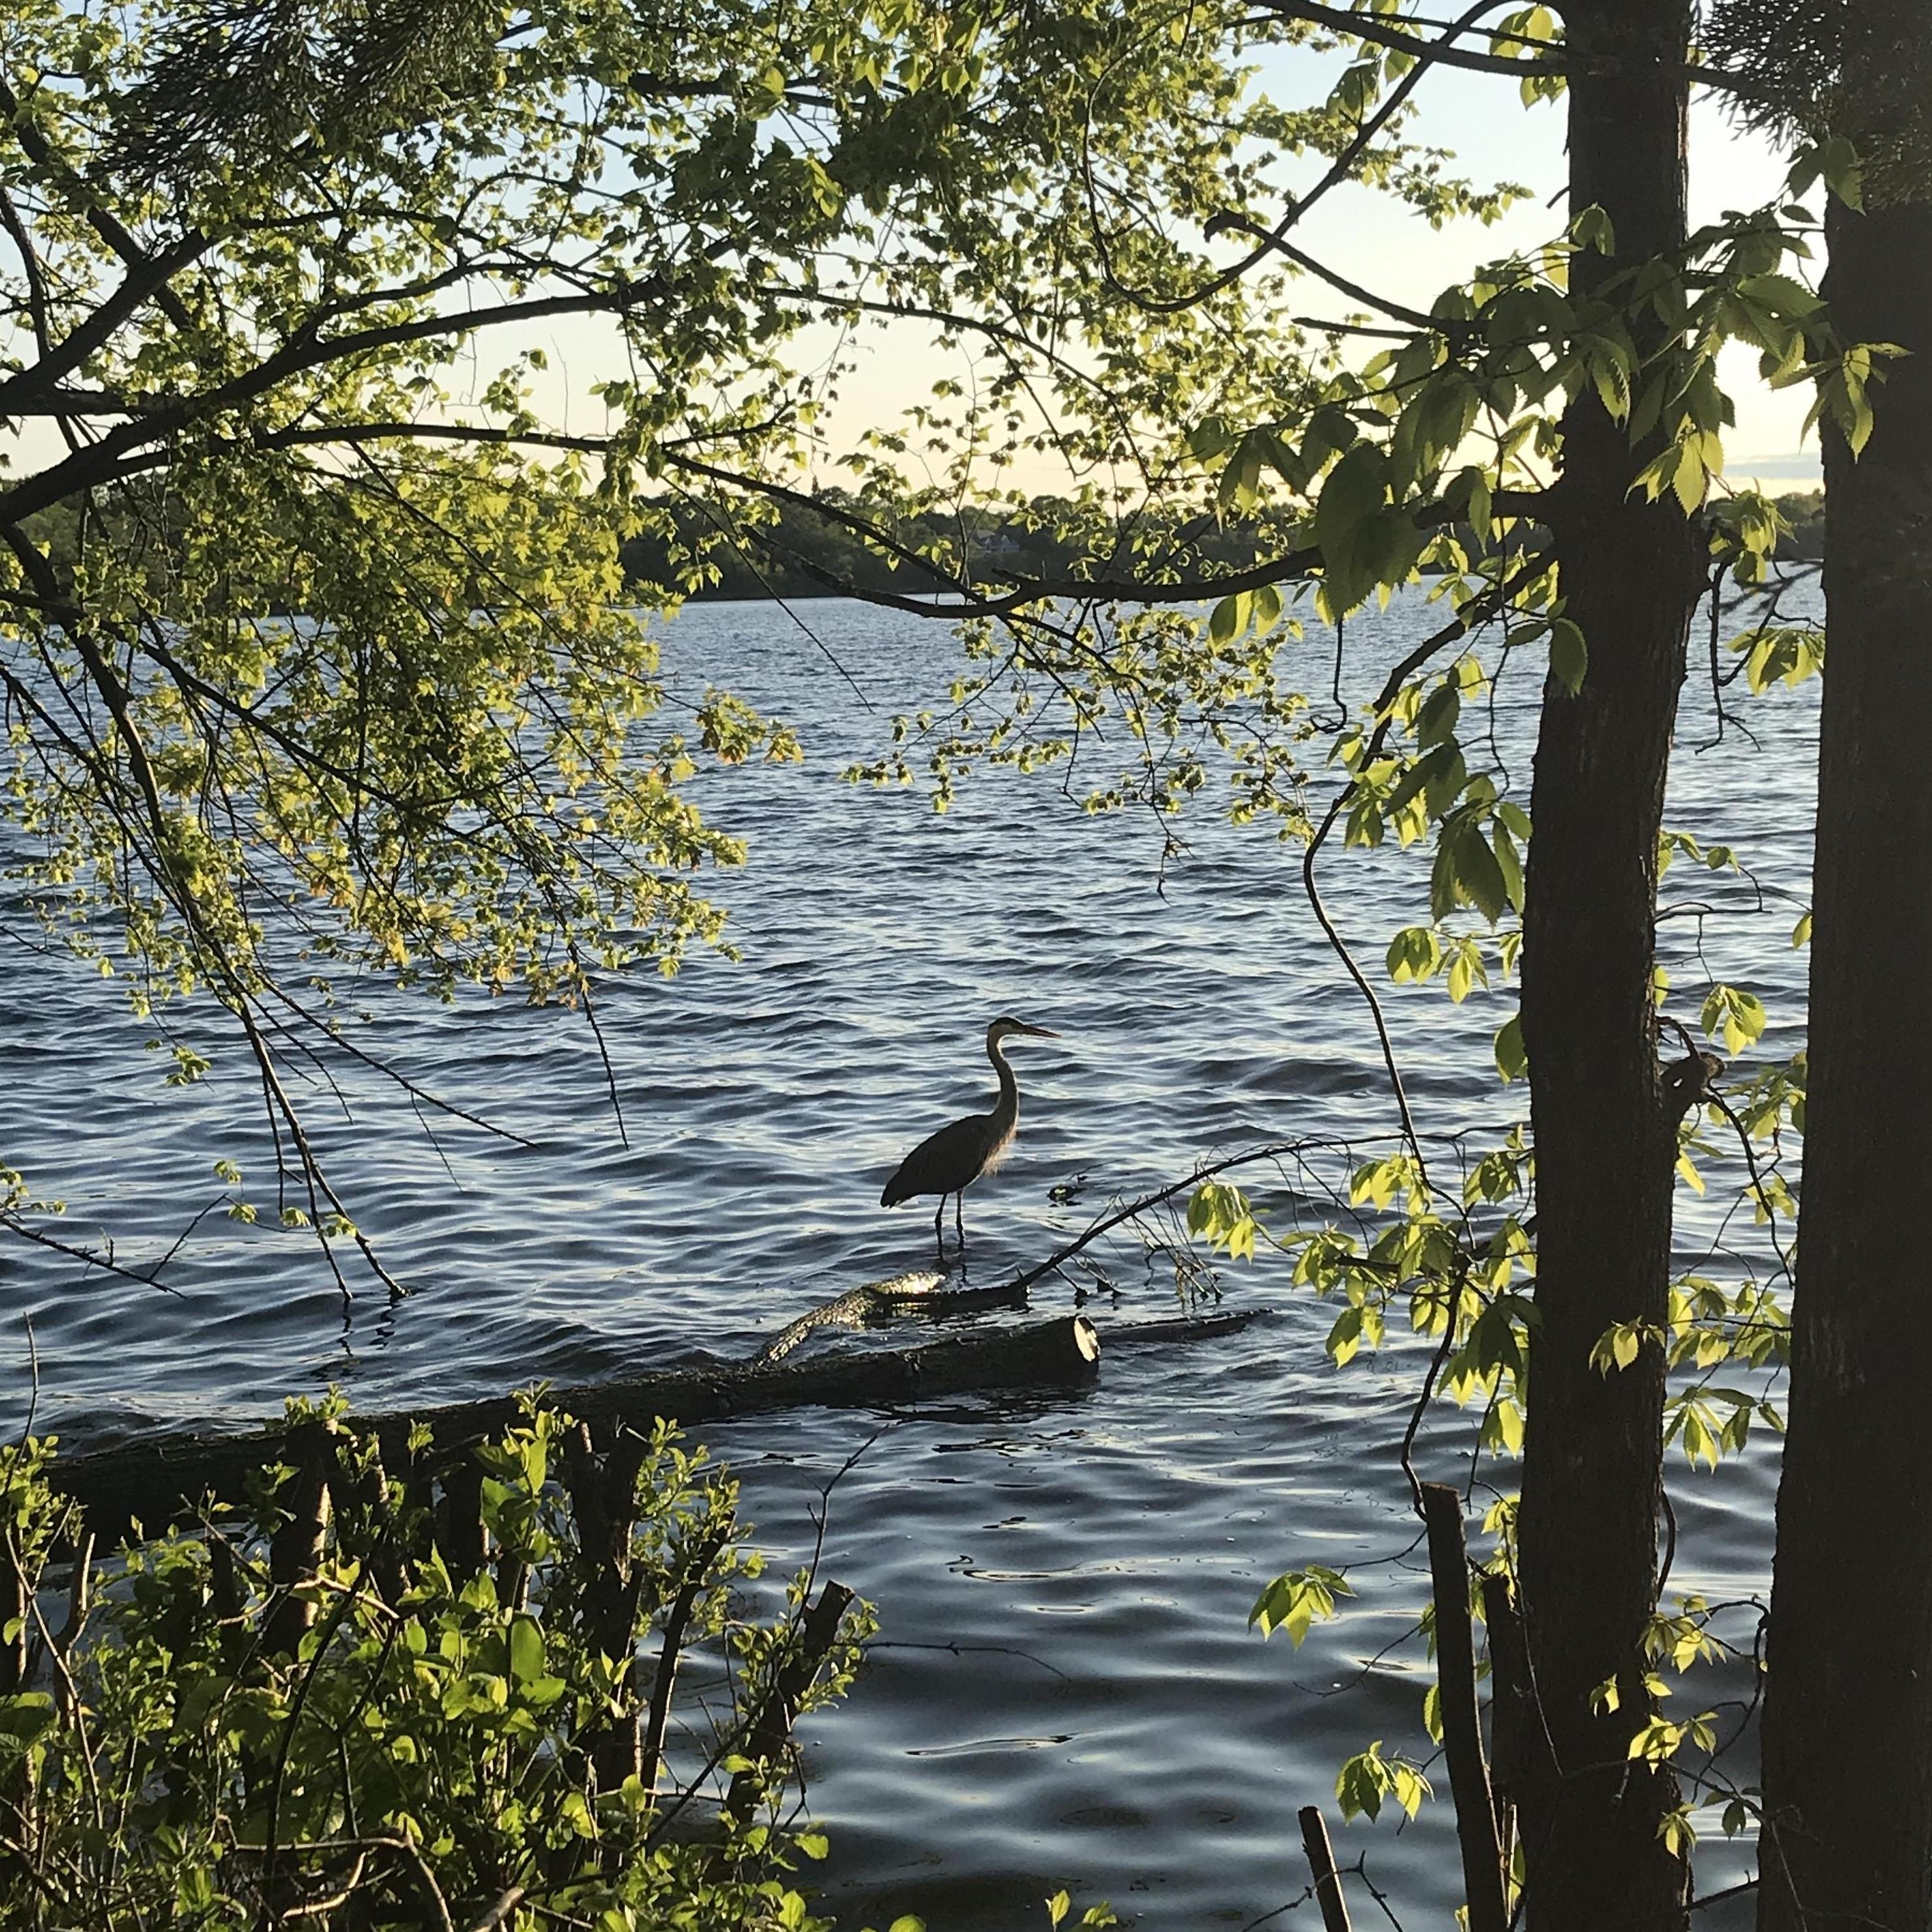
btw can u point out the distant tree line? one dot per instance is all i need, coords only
(807, 547)
(804, 549)
(716, 551)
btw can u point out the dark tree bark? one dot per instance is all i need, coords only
(1630, 574)
(1848, 1704)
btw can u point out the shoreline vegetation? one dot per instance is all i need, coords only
(472, 1624)
(428, 1683)
(803, 553)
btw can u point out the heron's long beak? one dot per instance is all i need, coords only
(1045, 1032)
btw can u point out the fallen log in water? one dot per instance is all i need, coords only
(154, 1480)
(921, 1293)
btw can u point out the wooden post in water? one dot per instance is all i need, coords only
(1514, 1730)
(1483, 1878)
(1322, 1863)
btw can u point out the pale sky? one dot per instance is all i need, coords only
(1369, 237)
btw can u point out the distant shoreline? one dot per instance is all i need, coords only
(790, 561)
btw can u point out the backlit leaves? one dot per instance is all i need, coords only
(455, 1714)
(1368, 1778)
(1569, 656)
(1781, 653)
(1734, 1015)
(1297, 1601)
(1221, 1215)
(1835, 162)
(1512, 1060)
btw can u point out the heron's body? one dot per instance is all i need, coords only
(949, 1161)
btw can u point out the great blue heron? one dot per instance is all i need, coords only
(951, 1160)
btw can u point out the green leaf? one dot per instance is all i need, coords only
(1440, 772)
(1368, 1777)
(1239, 488)
(1512, 1062)
(1784, 295)
(1361, 1783)
(1593, 228)
(1478, 877)
(1480, 499)
(1736, 1015)
(1689, 479)
(1466, 971)
(1057, 1907)
(526, 1649)
(1410, 1786)
(1843, 175)
(1511, 864)
(1414, 955)
(1222, 1213)
(1569, 654)
(28, 1713)
(1355, 491)
(1435, 722)
(1344, 1339)
(1620, 1348)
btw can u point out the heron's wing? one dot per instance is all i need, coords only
(1001, 1144)
(944, 1162)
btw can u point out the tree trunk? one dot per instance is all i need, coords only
(1848, 1703)
(1630, 575)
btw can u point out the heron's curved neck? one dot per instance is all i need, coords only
(1007, 1108)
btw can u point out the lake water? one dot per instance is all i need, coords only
(1065, 1691)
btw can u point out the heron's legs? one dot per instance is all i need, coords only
(939, 1227)
(959, 1217)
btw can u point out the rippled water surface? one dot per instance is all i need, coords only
(1065, 1691)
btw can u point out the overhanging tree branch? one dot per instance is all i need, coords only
(99, 462)
(1339, 171)
(29, 392)
(40, 151)
(1391, 31)
(1274, 240)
